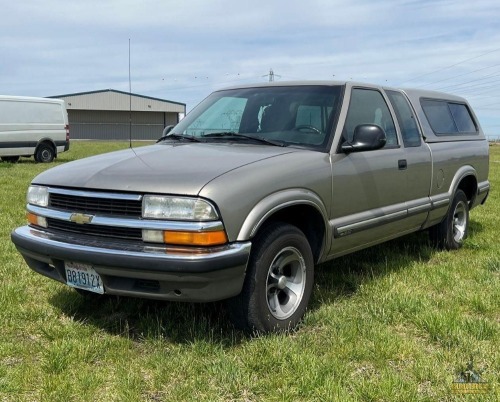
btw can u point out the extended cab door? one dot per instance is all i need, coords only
(370, 188)
(418, 159)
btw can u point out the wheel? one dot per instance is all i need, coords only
(307, 127)
(452, 231)
(44, 153)
(10, 159)
(278, 282)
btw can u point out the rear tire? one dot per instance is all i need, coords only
(45, 153)
(278, 282)
(452, 231)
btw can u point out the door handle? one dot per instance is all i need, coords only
(402, 164)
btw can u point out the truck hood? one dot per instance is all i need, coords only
(163, 168)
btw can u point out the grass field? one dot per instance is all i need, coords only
(397, 322)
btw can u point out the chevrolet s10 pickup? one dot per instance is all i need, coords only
(252, 189)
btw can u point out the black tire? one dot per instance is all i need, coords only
(452, 231)
(10, 159)
(45, 153)
(278, 281)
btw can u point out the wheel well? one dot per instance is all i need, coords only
(49, 143)
(308, 219)
(469, 186)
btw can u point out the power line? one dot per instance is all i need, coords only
(486, 90)
(459, 86)
(445, 68)
(456, 76)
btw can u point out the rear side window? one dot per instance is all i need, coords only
(406, 119)
(448, 117)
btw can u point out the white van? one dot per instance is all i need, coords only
(32, 126)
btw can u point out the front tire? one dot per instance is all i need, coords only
(452, 231)
(278, 282)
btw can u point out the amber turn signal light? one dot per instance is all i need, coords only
(36, 220)
(195, 238)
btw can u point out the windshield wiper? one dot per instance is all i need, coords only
(191, 138)
(230, 134)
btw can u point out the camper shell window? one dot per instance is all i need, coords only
(448, 118)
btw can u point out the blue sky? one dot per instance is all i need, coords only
(182, 50)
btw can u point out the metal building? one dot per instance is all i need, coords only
(106, 115)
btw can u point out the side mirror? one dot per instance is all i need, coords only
(166, 130)
(367, 137)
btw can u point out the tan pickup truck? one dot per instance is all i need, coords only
(251, 190)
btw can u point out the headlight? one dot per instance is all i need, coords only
(38, 195)
(177, 208)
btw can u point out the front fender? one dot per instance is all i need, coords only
(277, 201)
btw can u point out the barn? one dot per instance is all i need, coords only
(116, 115)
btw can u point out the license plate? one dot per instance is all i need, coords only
(83, 276)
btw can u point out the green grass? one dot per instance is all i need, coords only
(396, 322)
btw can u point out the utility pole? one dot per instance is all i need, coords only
(271, 75)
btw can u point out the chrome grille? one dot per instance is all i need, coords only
(95, 205)
(95, 230)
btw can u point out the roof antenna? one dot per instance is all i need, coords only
(130, 96)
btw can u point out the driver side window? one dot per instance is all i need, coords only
(368, 106)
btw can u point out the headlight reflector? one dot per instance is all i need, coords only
(177, 208)
(38, 195)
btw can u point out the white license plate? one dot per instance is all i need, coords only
(83, 276)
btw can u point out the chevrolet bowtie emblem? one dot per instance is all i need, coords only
(81, 219)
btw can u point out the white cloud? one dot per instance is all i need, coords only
(183, 50)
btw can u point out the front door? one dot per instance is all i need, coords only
(369, 188)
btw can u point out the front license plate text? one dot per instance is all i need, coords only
(83, 276)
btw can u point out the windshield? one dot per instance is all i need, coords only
(288, 115)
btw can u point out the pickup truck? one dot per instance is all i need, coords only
(252, 189)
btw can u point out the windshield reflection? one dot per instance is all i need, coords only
(289, 115)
